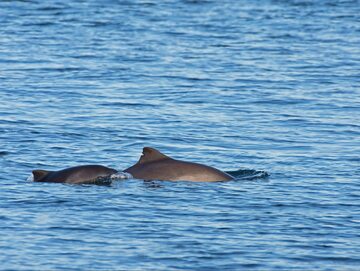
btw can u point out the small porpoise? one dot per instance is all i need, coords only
(89, 174)
(153, 165)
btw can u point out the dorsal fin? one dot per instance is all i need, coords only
(151, 155)
(39, 174)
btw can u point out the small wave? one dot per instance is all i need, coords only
(249, 174)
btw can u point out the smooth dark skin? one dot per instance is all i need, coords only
(88, 174)
(153, 165)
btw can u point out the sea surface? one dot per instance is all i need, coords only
(266, 90)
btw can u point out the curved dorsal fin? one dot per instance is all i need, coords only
(151, 155)
(39, 174)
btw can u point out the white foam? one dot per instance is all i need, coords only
(30, 178)
(121, 176)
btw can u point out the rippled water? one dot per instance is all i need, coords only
(245, 86)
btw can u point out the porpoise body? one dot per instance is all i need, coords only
(88, 174)
(153, 165)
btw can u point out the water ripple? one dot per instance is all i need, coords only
(268, 89)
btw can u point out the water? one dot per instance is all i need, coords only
(245, 86)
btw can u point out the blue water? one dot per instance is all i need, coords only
(251, 87)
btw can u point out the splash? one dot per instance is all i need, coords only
(249, 174)
(121, 176)
(30, 178)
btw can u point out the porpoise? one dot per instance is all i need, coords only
(153, 165)
(88, 174)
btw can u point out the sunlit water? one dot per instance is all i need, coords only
(250, 87)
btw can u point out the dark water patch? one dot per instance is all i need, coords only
(55, 7)
(21, 1)
(69, 229)
(40, 24)
(3, 153)
(197, 2)
(36, 201)
(126, 104)
(98, 24)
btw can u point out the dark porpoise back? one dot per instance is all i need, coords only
(88, 174)
(153, 165)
